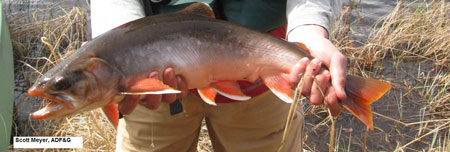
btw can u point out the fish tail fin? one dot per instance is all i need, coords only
(111, 112)
(361, 92)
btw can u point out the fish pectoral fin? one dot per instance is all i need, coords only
(230, 89)
(150, 86)
(199, 9)
(208, 95)
(111, 112)
(360, 93)
(280, 86)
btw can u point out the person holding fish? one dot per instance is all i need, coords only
(226, 60)
(254, 125)
(216, 65)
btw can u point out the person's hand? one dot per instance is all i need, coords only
(325, 53)
(127, 105)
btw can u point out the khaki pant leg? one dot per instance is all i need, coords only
(255, 125)
(171, 133)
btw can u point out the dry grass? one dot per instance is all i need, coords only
(40, 41)
(413, 31)
(416, 33)
(413, 34)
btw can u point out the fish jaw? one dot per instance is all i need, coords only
(49, 111)
(56, 106)
(64, 106)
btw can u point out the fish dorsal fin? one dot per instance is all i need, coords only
(199, 9)
(150, 86)
(230, 89)
(303, 46)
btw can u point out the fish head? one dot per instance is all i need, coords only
(74, 87)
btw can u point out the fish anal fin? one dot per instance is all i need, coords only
(361, 93)
(199, 9)
(230, 89)
(150, 86)
(111, 112)
(208, 95)
(280, 86)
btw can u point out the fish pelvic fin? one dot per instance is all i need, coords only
(199, 9)
(230, 89)
(361, 92)
(150, 86)
(111, 112)
(280, 86)
(208, 95)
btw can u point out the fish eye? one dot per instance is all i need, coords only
(67, 80)
(61, 84)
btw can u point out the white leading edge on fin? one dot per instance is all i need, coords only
(165, 91)
(234, 97)
(205, 99)
(282, 96)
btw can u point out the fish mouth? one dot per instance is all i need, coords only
(58, 104)
(48, 111)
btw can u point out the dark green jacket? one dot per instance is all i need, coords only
(264, 15)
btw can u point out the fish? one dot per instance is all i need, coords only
(210, 54)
